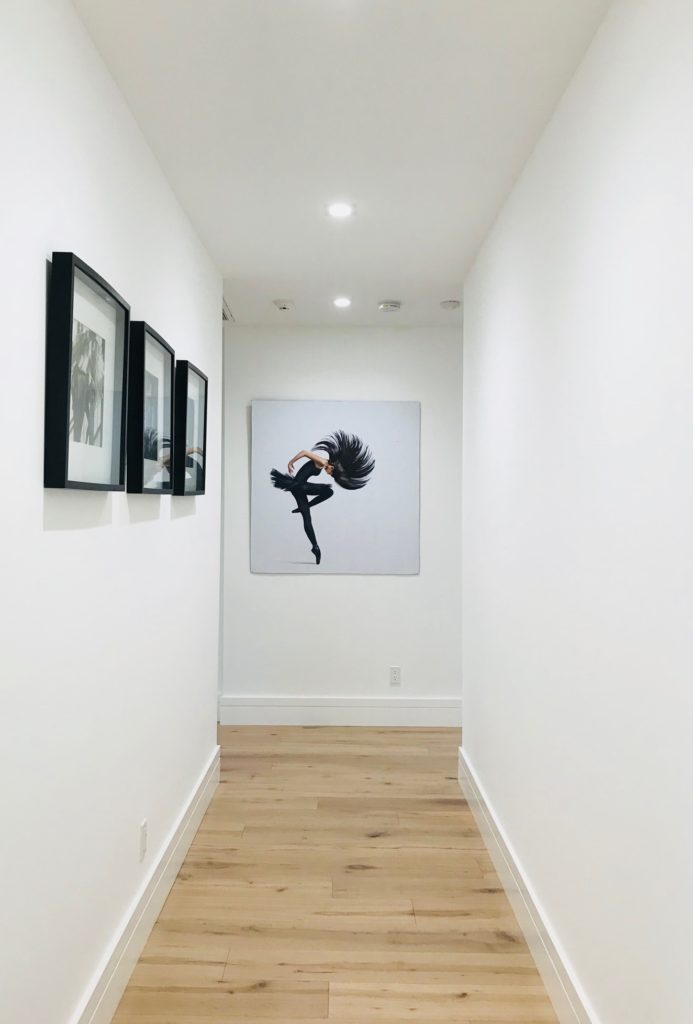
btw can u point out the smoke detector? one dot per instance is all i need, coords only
(390, 306)
(285, 305)
(450, 304)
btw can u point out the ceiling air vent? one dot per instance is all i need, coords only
(226, 314)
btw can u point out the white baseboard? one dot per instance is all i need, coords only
(111, 977)
(569, 1001)
(338, 711)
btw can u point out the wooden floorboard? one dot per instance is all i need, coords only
(338, 875)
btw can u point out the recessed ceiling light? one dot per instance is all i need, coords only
(450, 304)
(340, 210)
(341, 302)
(389, 306)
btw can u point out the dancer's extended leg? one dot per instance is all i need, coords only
(321, 491)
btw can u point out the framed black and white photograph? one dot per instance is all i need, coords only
(150, 411)
(335, 487)
(86, 373)
(189, 429)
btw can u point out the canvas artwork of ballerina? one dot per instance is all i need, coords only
(348, 500)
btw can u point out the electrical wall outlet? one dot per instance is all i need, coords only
(395, 675)
(143, 839)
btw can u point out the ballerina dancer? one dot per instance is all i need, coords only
(346, 459)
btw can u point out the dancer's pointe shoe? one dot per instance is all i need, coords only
(317, 553)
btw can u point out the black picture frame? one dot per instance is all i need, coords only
(138, 432)
(101, 397)
(184, 483)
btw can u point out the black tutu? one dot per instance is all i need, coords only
(282, 480)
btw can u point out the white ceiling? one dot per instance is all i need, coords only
(422, 112)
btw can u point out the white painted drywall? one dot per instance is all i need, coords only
(578, 505)
(328, 637)
(109, 602)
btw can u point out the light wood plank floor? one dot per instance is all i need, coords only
(338, 875)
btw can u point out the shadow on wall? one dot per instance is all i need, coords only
(84, 510)
(143, 508)
(183, 506)
(67, 510)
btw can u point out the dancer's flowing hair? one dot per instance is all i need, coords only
(351, 459)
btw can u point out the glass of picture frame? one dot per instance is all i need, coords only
(86, 373)
(150, 411)
(189, 430)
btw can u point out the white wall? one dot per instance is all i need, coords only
(578, 505)
(332, 638)
(109, 602)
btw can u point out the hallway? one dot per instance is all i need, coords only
(429, 261)
(338, 874)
